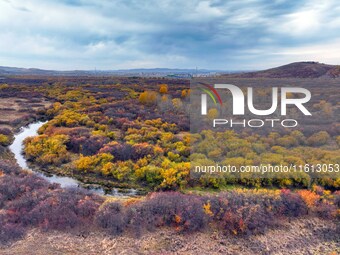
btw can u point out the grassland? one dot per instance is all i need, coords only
(134, 132)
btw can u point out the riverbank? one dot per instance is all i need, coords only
(65, 180)
(92, 181)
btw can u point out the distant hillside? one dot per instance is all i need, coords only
(4, 70)
(295, 70)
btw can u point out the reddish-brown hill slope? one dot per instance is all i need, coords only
(295, 70)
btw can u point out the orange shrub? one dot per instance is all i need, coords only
(207, 209)
(163, 89)
(178, 219)
(309, 197)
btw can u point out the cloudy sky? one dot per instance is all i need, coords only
(123, 34)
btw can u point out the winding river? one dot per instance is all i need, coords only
(65, 182)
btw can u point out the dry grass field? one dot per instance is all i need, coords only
(300, 236)
(15, 110)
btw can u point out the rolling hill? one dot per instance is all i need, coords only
(295, 70)
(308, 69)
(160, 72)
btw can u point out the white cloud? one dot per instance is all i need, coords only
(325, 52)
(166, 33)
(203, 11)
(314, 18)
(302, 23)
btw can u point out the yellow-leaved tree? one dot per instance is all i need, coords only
(148, 97)
(163, 89)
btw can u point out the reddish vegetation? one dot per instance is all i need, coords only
(29, 201)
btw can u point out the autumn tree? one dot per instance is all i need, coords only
(318, 139)
(148, 97)
(338, 140)
(212, 113)
(70, 118)
(177, 104)
(47, 149)
(4, 140)
(325, 107)
(97, 163)
(184, 93)
(163, 89)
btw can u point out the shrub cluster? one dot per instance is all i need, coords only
(5, 136)
(236, 212)
(27, 200)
